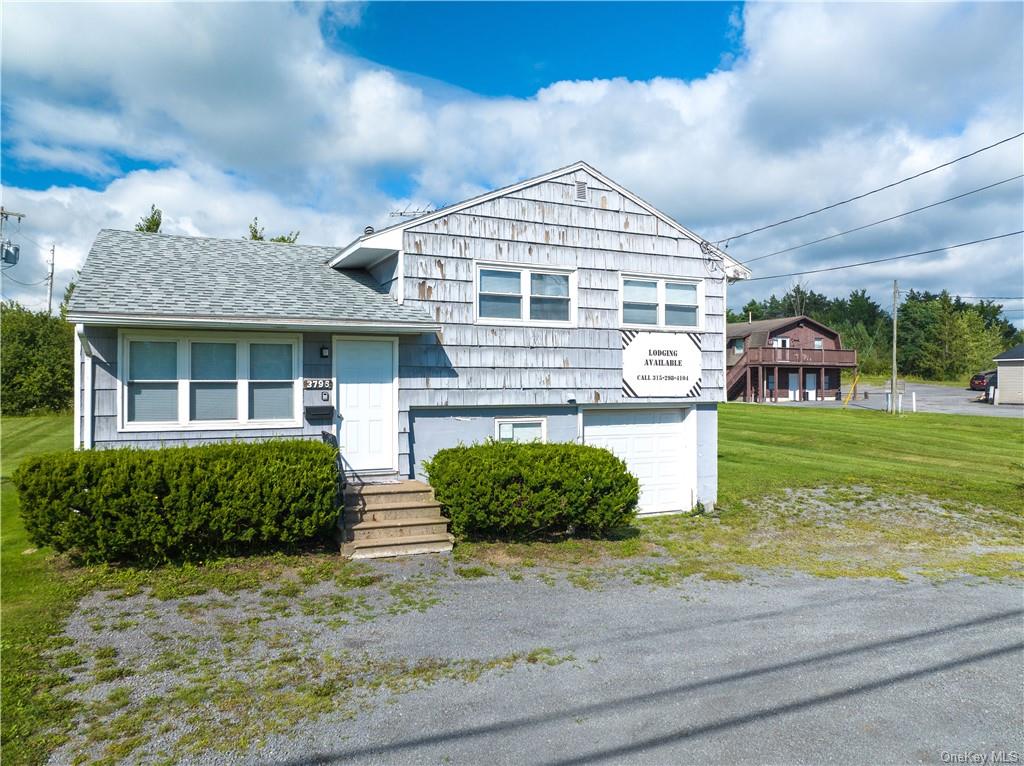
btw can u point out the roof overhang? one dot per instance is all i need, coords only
(370, 248)
(250, 323)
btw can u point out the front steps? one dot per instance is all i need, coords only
(392, 519)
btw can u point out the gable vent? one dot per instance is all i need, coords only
(581, 191)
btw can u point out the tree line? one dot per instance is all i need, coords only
(939, 336)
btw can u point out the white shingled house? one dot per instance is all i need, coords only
(561, 308)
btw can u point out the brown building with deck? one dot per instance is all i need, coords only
(794, 358)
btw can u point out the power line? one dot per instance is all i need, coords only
(890, 258)
(884, 220)
(869, 193)
(26, 284)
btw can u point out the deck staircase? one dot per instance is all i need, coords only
(392, 519)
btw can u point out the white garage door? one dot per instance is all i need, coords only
(652, 443)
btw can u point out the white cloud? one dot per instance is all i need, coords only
(255, 114)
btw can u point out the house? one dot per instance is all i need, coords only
(1010, 375)
(561, 308)
(790, 358)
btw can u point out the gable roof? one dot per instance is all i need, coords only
(139, 278)
(760, 330)
(379, 243)
(1015, 353)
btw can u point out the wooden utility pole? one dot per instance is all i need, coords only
(49, 296)
(895, 311)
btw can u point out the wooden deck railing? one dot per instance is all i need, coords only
(822, 357)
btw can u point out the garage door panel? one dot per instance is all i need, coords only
(652, 444)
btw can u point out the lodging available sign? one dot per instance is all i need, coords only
(660, 364)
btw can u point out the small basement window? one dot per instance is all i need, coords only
(520, 429)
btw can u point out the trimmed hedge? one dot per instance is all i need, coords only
(178, 503)
(511, 491)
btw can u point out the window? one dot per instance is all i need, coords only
(738, 345)
(213, 392)
(520, 429)
(639, 302)
(661, 303)
(153, 381)
(271, 387)
(681, 304)
(209, 380)
(524, 295)
(819, 343)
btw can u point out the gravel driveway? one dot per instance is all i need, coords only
(775, 669)
(948, 400)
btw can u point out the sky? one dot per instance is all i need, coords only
(324, 118)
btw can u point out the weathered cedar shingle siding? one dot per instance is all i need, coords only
(542, 225)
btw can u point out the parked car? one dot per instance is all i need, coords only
(980, 381)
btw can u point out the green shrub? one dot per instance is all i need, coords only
(178, 503)
(510, 491)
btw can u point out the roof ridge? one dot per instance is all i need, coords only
(239, 240)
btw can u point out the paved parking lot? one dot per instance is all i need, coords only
(946, 400)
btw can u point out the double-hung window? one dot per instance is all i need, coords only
(524, 295)
(661, 302)
(213, 391)
(209, 381)
(271, 389)
(152, 390)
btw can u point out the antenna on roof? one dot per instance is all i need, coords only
(409, 212)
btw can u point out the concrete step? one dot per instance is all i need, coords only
(393, 512)
(376, 495)
(372, 549)
(396, 530)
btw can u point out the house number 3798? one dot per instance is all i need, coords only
(317, 383)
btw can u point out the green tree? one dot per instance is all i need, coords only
(150, 223)
(256, 232)
(36, 361)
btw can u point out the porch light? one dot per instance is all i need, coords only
(325, 352)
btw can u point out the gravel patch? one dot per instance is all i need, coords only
(432, 660)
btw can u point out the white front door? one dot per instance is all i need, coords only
(367, 378)
(811, 385)
(653, 445)
(794, 386)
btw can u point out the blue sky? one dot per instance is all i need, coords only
(514, 49)
(324, 118)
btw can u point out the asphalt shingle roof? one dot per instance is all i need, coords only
(1017, 352)
(128, 272)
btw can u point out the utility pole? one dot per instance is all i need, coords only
(4, 215)
(49, 296)
(895, 312)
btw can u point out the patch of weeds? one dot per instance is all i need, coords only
(585, 579)
(356, 575)
(473, 573)
(412, 595)
(66, 660)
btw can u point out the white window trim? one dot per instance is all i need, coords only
(498, 422)
(184, 343)
(525, 270)
(661, 281)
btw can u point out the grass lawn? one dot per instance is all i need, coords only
(826, 492)
(34, 601)
(882, 380)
